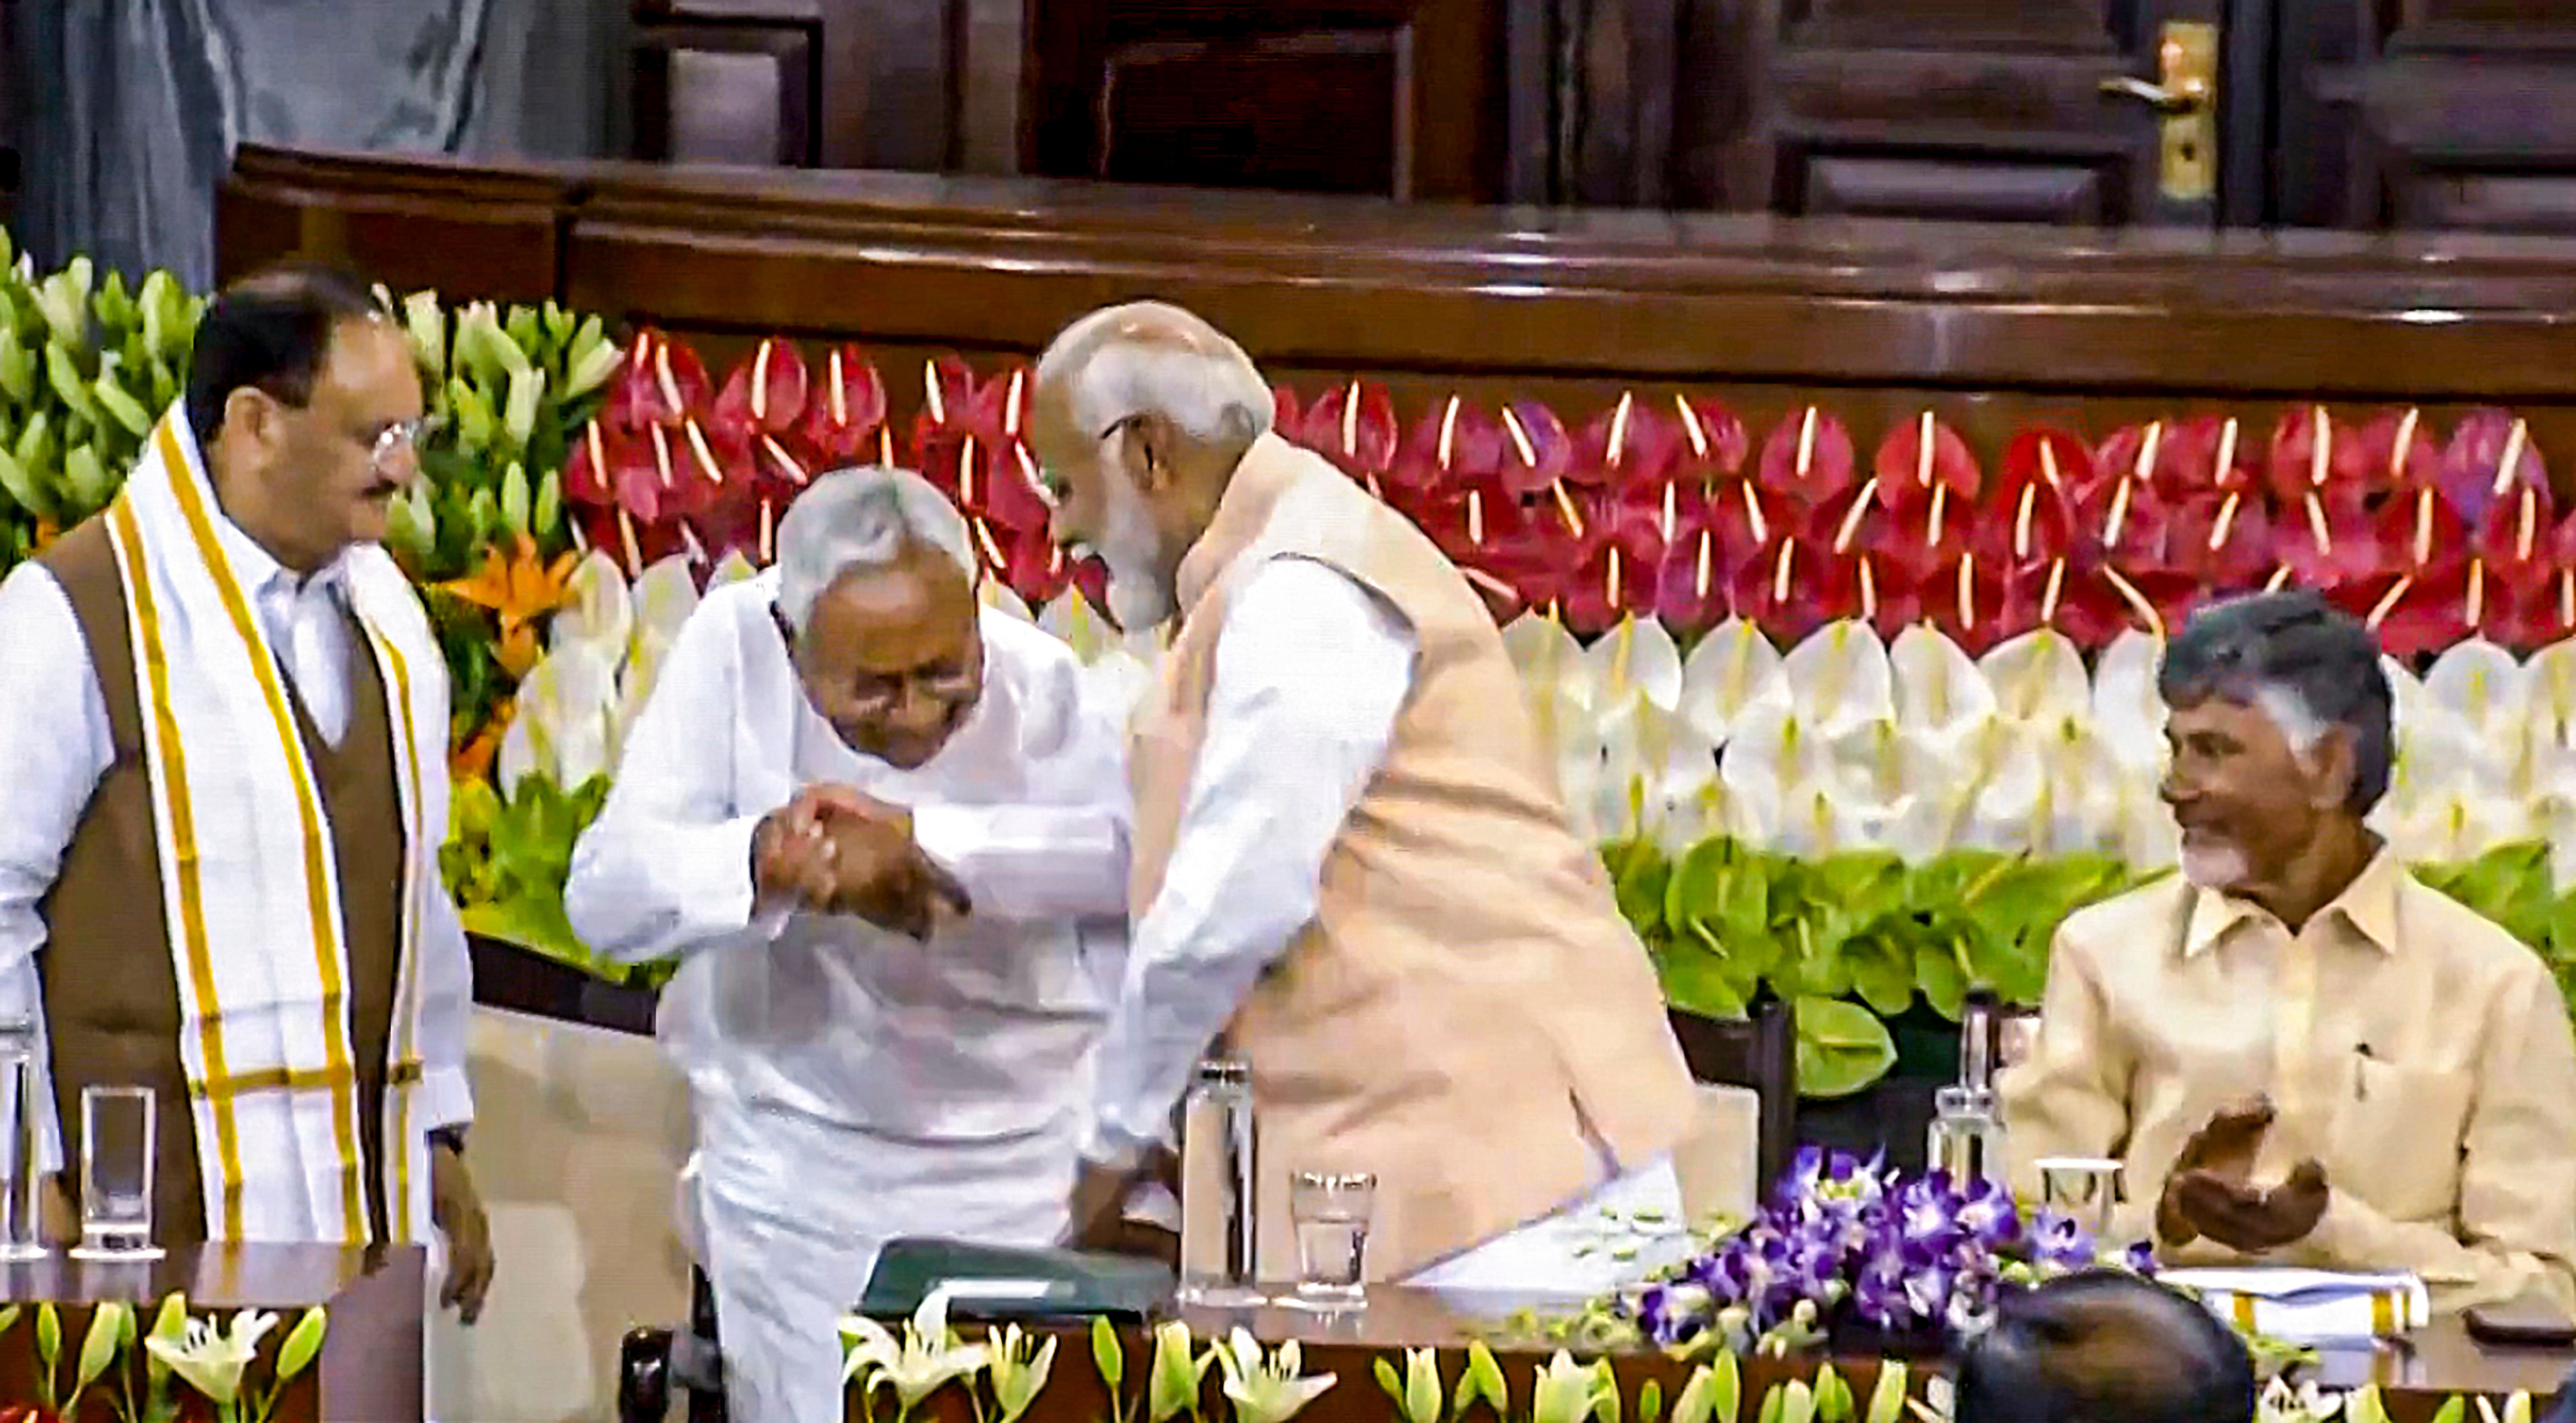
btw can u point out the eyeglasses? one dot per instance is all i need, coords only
(396, 437)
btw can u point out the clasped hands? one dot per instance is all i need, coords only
(835, 850)
(2210, 1191)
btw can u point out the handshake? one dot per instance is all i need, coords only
(834, 850)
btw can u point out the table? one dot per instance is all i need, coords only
(370, 1369)
(2415, 1375)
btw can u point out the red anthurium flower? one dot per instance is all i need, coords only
(1691, 590)
(1927, 482)
(2313, 452)
(2122, 507)
(2325, 535)
(2154, 600)
(998, 482)
(591, 472)
(1027, 561)
(2417, 531)
(660, 474)
(1886, 597)
(844, 421)
(1808, 458)
(765, 394)
(636, 544)
(2225, 541)
(1795, 590)
(2035, 594)
(1966, 601)
(778, 470)
(2027, 515)
(2516, 537)
(1353, 425)
(1472, 519)
(1713, 443)
(2417, 615)
(1537, 453)
(1620, 574)
(2490, 453)
(2398, 449)
(1630, 443)
(1456, 443)
(663, 382)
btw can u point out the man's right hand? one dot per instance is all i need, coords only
(2223, 1149)
(832, 850)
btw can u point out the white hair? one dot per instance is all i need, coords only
(856, 519)
(1215, 394)
(2287, 707)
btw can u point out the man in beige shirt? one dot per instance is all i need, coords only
(2301, 1054)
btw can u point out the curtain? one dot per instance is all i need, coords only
(134, 106)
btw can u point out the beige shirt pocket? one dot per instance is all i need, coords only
(2397, 1138)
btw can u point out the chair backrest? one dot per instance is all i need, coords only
(1759, 1051)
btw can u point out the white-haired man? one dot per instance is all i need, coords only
(2301, 1053)
(886, 836)
(1352, 862)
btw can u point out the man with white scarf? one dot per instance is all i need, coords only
(1353, 867)
(225, 723)
(885, 833)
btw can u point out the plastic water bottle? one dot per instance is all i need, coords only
(21, 1179)
(1219, 1238)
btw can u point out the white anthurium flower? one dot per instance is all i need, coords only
(1658, 777)
(1778, 751)
(1540, 647)
(212, 1360)
(2486, 696)
(2549, 692)
(2038, 677)
(600, 610)
(2451, 823)
(1815, 821)
(1078, 625)
(1838, 678)
(1732, 664)
(2128, 716)
(2082, 809)
(1638, 658)
(665, 596)
(1266, 1389)
(732, 568)
(567, 722)
(1000, 597)
(1937, 686)
(928, 1357)
(1977, 784)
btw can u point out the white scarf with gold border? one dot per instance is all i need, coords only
(248, 877)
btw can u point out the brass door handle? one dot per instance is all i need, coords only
(2189, 96)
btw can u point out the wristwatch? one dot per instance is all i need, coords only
(453, 1138)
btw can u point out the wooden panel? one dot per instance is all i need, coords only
(728, 91)
(2449, 114)
(1990, 327)
(1396, 97)
(494, 232)
(1983, 110)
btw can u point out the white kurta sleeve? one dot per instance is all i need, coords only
(666, 869)
(446, 1005)
(55, 740)
(1063, 854)
(1312, 669)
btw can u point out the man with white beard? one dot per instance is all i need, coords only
(1353, 868)
(2301, 1054)
(885, 833)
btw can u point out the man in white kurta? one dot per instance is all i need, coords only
(854, 1083)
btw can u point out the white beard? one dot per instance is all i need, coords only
(1139, 596)
(2213, 866)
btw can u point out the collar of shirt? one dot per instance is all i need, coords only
(2368, 904)
(266, 579)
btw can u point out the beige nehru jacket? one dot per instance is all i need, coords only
(2415, 1049)
(1467, 1015)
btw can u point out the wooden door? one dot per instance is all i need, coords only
(2040, 111)
(1400, 98)
(2457, 114)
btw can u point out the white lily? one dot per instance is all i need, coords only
(1266, 1389)
(567, 723)
(1018, 1366)
(1731, 665)
(210, 1360)
(1566, 1392)
(1173, 1380)
(927, 1359)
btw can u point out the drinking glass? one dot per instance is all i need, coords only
(2085, 1188)
(21, 1178)
(1331, 1212)
(117, 1125)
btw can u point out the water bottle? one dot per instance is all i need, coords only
(1220, 1245)
(1967, 1133)
(21, 1175)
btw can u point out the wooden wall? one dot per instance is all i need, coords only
(1989, 326)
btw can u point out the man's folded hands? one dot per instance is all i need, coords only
(836, 850)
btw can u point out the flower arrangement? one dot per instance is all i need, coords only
(133, 1377)
(1845, 1243)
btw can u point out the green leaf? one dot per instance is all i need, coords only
(49, 1336)
(1842, 1048)
(1388, 1380)
(1108, 1354)
(302, 1346)
(1833, 1396)
(1881, 967)
(1650, 1402)
(1697, 979)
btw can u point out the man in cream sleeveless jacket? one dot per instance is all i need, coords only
(1352, 867)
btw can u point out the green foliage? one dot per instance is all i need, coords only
(1853, 939)
(507, 858)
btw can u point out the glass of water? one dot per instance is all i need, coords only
(22, 1181)
(1331, 1211)
(117, 1126)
